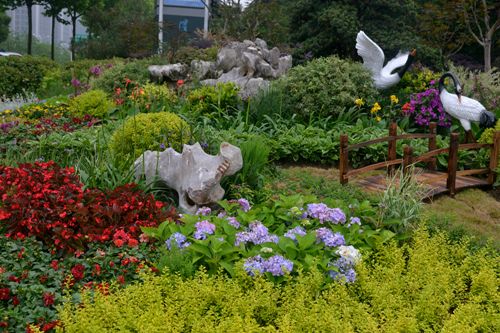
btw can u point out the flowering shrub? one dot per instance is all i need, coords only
(426, 107)
(58, 107)
(33, 279)
(275, 238)
(48, 202)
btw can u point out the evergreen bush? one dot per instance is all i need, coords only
(149, 131)
(21, 75)
(326, 87)
(92, 102)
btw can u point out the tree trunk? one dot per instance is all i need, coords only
(29, 6)
(52, 37)
(487, 55)
(73, 40)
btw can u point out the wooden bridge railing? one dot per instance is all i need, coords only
(429, 157)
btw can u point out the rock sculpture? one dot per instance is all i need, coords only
(194, 174)
(250, 65)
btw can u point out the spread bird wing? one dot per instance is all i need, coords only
(372, 54)
(398, 61)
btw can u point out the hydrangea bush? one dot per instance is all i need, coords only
(274, 239)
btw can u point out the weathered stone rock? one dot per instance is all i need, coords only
(194, 174)
(226, 59)
(201, 70)
(171, 72)
(261, 43)
(274, 57)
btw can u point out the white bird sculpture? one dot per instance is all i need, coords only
(373, 59)
(465, 109)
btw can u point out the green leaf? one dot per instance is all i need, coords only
(306, 241)
(200, 249)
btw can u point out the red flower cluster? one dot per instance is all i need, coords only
(48, 202)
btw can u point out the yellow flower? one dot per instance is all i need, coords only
(377, 118)
(359, 102)
(376, 107)
(394, 99)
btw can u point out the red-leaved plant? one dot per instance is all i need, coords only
(48, 202)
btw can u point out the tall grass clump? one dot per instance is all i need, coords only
(401, 203)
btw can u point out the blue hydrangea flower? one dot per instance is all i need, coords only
(330, 239)
(203, 229)
(325, 214)
(354, 220)
(245, 205)
(295, 231)
(345, 271)
(257, 234)
(233, 221)
(254, 265)
(277, 265)
(177, 239)
(203, 211)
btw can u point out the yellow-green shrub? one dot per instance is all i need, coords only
(147, 131)
(429, 285)
(93, 102)
(154, 96)
(487, 136)
(208, 99)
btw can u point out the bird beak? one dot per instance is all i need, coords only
(413, 52)
(459, 95)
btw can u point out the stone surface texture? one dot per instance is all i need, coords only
(249, 64)
(194, 174)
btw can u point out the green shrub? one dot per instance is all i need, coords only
(148, 131)
(22, 75)
(116, 76)
(152, 97)
(487, 136)
(417, 80)
(426, 286)
(187, 54)
(93, 102)
(212, 99)
(326, 86)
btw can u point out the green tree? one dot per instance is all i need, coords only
(75, 9)
(124, 28)
(4, 25)
(52, 9)
(482, 19)
(13, 4)
(227, 18)
(266, 19)
(324, 27)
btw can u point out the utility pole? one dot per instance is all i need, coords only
(205, 21)
(160, 26)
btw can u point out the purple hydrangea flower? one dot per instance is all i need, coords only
(233, 221)
(354, 220)
(96, 70)
(204, 211)
(203, 229)
(257, 234)
(245, 205)
(221, 214)
(254, 265)
(276, 265)
(348, 276)
(330, 239)
(295, 231)
(323, 213)
(180, 241)
(75, 82)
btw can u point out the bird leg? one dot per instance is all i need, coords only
(469, 137)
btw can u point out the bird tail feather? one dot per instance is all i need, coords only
(487, 120)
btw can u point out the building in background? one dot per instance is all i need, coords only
(42, 26)
(181, 18)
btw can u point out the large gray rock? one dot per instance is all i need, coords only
(201, 70)
(194, 174)
(226, 59)
(171, 72)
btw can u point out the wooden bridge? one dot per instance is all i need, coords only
(436, 182)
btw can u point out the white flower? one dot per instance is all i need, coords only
(266, 250)
(349, 253)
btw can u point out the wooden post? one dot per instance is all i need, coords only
(431, 165)
(494, 156)
(391, 154)
(344, 158)
(407, 158)
(452, 164)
